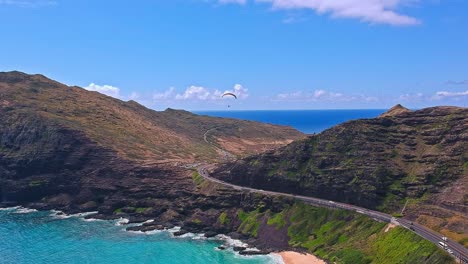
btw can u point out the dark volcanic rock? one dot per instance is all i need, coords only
(239, 248)
(180, 233)
(253, 252)
(210, 234)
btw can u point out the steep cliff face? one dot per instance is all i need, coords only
(67, 148)
(413, 156)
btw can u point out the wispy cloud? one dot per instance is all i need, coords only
(372, 11)
(447, 94)
(322, 95)
(163, 96)
(199, 93)
(134, 96)
(465, 82)
(239, 91)
(27, 3)
(412, 97)
(104, 89)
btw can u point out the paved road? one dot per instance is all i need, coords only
(455, 249)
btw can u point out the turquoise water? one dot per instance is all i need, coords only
(39, 237)
(306, 121)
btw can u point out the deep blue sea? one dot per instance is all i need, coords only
(42, 237)
(306, 121)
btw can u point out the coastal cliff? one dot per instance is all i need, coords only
(69, 149)
(418, 158)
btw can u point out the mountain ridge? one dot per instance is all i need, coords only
(416, 156)
(153, 133)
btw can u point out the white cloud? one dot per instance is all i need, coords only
(287, 96)
(372, 11)
(322, 95)
(104, 89)
(446, 94)
(319, 93)
(239, 91)
(201, 93)
(169, 94)
(194, 92)
(411, 97)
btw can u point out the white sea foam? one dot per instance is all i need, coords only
(200, 236)
(230, 242)
(23, 210)
(122, 221)
(252, 249)
(92, 219)
(10, 208)
(61, 215)
(152, 232)
(85, 214)
(140, 224)
(174, 229)
(186, 235)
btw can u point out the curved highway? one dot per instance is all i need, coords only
(452, 247)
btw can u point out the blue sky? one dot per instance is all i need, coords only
(275, 54)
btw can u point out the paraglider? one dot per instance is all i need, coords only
(229, 94)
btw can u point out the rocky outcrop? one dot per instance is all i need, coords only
(396, 110)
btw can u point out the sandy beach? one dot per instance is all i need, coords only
(291, 257)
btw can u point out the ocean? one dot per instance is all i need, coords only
(306, 121)
(43, 237)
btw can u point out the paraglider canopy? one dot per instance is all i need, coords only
(229, 94)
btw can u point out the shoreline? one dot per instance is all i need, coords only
(292, 257)
(225, 241)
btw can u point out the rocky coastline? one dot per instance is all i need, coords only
(239, 243)
(57, 152)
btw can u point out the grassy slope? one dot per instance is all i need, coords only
(344, 237)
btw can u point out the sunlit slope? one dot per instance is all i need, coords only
(132, 130)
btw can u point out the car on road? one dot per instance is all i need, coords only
(442, 244)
